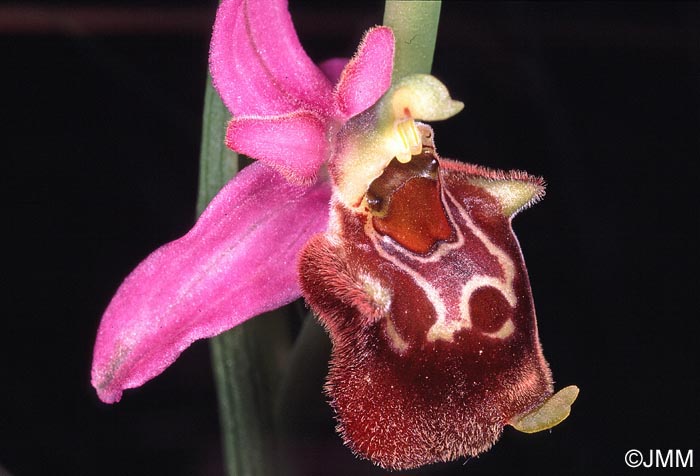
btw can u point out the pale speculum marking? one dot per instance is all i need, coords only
(380, 296)
(397, 342)
(433, 295)
(503, 284)
(445, 328)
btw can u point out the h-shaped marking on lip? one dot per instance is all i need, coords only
(443, 328)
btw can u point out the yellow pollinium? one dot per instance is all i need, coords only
(418, 97)
(369, 141)
(409, 140)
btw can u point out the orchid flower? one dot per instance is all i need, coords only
(408, 259)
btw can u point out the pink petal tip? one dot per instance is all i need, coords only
(368, 74)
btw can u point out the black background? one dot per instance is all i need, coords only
(100, 139)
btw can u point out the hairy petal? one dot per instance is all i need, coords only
(257, 63)
(368, 74)
(238, 261)
(295, 143)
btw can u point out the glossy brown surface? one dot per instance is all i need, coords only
(406, 205)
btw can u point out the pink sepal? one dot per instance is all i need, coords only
(368, 74)
(258, 65)
(238, 261)
(295, 143)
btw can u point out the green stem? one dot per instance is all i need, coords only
(247, 359)
(246, 363)
(415, 25)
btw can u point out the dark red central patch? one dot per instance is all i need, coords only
(406, 206)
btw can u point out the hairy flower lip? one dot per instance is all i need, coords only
(361, 286)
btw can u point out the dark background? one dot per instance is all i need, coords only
(100, 139)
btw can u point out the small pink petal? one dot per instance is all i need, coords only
(368, 74)
(333, 67)
(257, 63)
(295, 144)
(238, 261)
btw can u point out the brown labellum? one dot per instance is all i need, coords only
(426, 298)
(406, 206)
